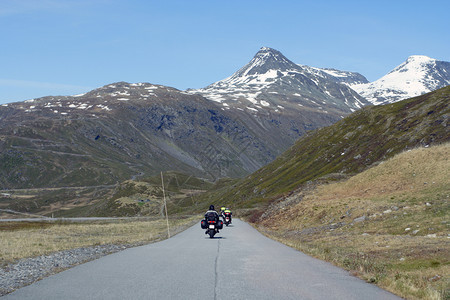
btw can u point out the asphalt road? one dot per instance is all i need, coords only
(239, 263)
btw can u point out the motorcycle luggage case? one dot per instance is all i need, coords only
(220, 224)
(203, 224)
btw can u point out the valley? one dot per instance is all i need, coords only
(301, 153)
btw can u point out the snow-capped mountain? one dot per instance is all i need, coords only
(270, 81)
(418, 75)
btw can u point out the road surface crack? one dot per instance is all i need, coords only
(216, 272)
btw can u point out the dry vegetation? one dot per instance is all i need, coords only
(388, 225)
(29, 239)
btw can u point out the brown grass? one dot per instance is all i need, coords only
(416, 170)
(24, 239)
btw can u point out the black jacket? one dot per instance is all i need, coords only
(212, 213)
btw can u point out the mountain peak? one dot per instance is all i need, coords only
(266, 59)
(414, 64)
(267, 49)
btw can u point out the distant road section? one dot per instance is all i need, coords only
(239, 263)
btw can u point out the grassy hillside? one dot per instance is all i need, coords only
(145, 198)
(348, 147)
(140, 197)
(388, 225)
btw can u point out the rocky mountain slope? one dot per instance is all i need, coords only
(346, 77)
(416, 76)
(119, 131)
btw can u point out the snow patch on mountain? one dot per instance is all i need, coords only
(245, 87)
(100, 99)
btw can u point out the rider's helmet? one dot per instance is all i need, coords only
(211, 207)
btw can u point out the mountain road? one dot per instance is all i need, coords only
(239, 263)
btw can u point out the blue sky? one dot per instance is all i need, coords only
(67, 47)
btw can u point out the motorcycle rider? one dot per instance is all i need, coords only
(222, 209)
(210, 215)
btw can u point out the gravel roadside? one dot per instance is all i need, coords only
(28, 270)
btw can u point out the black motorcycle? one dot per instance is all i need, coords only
(212, 226)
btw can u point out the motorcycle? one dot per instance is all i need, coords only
(227, 218)
(212, 227)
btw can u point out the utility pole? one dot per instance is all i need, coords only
(165, 205)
